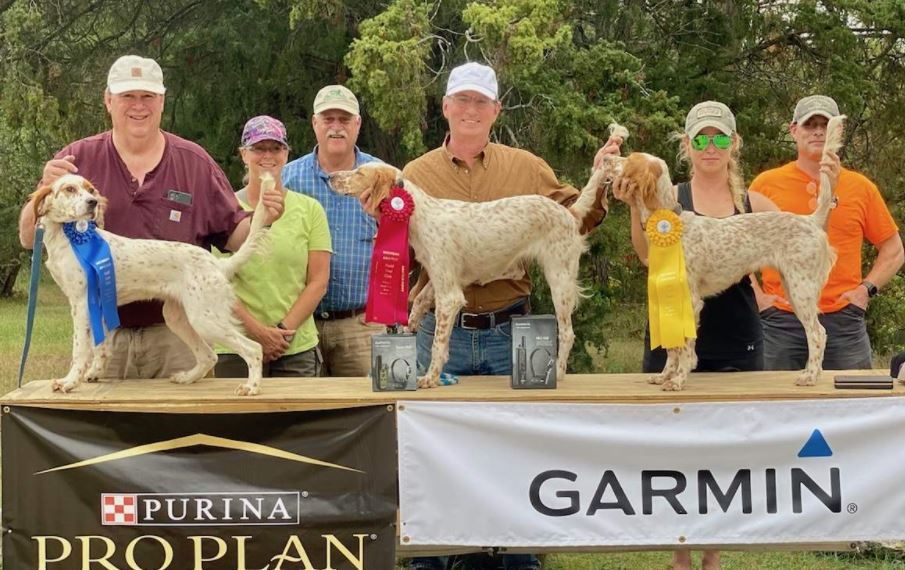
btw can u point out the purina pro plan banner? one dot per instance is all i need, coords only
(141, 491)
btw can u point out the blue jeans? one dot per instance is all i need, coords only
(472, 352)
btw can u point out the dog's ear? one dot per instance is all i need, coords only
(382, 180)
(101, 207)
(644, 173)
(40, 200)
(650, 189)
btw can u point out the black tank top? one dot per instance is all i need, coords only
(730, 324)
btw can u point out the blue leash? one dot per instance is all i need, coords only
(32, 296)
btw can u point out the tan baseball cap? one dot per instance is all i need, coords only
(709, 114)
(815, 105)
(135, 73)
(335, 97)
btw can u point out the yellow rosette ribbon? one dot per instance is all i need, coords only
(668, 297)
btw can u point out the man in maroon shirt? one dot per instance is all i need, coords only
(158, 186)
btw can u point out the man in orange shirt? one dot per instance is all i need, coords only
(858, 212)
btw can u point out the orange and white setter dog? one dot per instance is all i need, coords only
(193, 284)
(450, 240)
(720, 251)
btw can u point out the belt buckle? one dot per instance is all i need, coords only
(462, 320)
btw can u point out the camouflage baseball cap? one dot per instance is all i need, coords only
(263, 128)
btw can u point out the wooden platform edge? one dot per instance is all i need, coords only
(299, 394)
(413, 551)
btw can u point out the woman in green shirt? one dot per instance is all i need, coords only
(280, 288)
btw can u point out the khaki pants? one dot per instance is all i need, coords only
(346, 346)
(147, 352)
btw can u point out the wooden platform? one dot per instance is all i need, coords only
(216, 395)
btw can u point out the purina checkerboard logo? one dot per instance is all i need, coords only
(201, 509)
(118, 509)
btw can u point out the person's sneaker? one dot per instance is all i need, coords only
(425, 564)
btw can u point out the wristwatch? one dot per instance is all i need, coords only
(871, 288)
(281, 326)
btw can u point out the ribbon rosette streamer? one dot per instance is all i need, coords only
(668, 296)
(388, 286)
(94, 256)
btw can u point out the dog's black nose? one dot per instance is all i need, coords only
(92, 202)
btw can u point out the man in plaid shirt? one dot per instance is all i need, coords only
(345, 340)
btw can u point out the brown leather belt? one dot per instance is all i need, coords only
(338, 315)
(467, 320)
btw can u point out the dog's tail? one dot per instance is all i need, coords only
(834, 131)
(588, 196)
(256, 234)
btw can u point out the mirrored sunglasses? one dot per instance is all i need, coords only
(720, 141)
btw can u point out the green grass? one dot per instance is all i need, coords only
(51, 340)
(50, 358)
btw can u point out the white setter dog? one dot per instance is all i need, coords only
(720, 251)
(194, 286)
(451, 238)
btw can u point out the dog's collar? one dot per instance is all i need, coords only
(80, 232)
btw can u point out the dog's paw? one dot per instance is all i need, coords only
(184, 377)
(673, 385)
(656, 379)
(64, 385)
(428, 381)
(806, 379)
(248, 389)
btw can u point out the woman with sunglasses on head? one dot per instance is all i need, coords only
(730, 337)
(279, 288)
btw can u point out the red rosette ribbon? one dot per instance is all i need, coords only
(388, 282)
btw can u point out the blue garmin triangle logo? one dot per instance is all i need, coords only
(816, 446)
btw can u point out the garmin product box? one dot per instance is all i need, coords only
(534, 343)
(393, 362)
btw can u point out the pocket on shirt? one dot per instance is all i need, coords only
(175, 221)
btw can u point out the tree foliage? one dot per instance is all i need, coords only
(567, 69)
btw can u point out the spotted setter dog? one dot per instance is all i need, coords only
(720, 251)
(451, 241)
(193, 284)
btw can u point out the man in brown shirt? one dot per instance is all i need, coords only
(158, 186)
(470, 168)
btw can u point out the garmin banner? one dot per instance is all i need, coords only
(118, 491)
(548, 475)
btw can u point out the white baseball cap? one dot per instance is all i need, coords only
(709, 114)
(812, 105)
(135, 73)
(472, 77)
